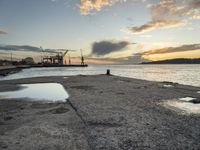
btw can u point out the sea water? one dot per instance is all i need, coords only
(182, 74)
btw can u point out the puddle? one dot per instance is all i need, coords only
(198, 92)
(187, 99)
(51, 92)
(185, 107)
(167, 85)
(65, 77)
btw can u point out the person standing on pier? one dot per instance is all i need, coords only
(82, 58)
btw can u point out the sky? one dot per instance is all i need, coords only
(107, 31)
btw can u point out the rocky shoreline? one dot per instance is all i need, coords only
(102, 112)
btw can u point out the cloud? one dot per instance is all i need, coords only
(107, 47)
(19, 48)
(181, 48)
(3, 32)
(152, 25)
(169, 14)
(27, 48)
(134, 59)
(91, 60)
(87, 6)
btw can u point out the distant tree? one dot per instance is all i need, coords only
(28, 61)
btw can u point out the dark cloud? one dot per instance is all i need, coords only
(3, 32)
(27, 48)
(181, 48)
(136, 58)
(133, 59)
(106, 47)
(194, 4)
(19, 48)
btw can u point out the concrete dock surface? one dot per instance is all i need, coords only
(102, 113)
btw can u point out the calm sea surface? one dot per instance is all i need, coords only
(183, 74)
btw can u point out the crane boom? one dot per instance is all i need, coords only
(65, 53)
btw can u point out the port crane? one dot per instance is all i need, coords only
(57, 59)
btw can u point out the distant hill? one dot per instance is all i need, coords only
(175, 61)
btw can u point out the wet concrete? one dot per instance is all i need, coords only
(168, 86)
(49, 92)
(103, 112)
(186, 108)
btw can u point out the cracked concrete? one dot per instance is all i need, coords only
(103, 112)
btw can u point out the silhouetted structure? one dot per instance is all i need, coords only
(82, 59)
(28, 61)
(69, 59)
(57, 59)
(108, 72)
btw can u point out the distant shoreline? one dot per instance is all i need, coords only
(175, 61)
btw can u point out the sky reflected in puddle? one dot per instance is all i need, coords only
(186, 107)
(167, 85)
(187, 99)
(51, 92)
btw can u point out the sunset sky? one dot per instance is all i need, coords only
(108, 31)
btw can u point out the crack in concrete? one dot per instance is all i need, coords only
(84, 122)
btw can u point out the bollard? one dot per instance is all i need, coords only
(108, 72)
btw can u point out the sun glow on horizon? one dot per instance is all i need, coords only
(110, 31)
(188, 54)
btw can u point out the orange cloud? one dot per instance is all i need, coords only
(169, 14)
(183, 51)
(181, 48)
(86, 6)
(188, 54)
(152, 25)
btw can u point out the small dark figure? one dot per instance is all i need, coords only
(82, 60)
(108, 72)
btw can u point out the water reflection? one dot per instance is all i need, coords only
(187, 99)
(40, 92)
(168, 85)
(186, 107)
(183, 74)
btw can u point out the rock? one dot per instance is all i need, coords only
(6, 118)
(195, 101)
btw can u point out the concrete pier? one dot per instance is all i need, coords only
(102, 113)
